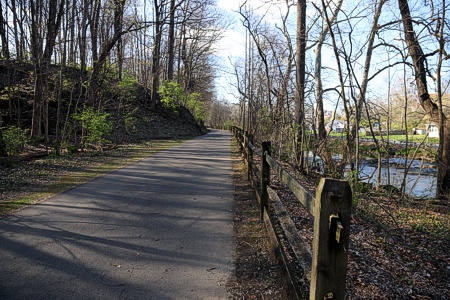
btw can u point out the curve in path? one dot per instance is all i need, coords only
(157, 229)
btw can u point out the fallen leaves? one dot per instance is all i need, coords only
(257, 274)
(398, 249)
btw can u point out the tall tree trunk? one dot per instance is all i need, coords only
(300, 56)
(436, 115)
(332, 168)
(156, 54)
(14, 9)
(37, 111)
(3, 30)
(171, 41)
(42, 62)
(118, 22)
(83, 37)
(106, 49)
(318, 73)
(443, 143)
(94, 26)
(58, 126)
(72, 39)
(364, 82)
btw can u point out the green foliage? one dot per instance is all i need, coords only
(71, 149)
(15, 139)
(128, 87)
(171, 94)
(427, 222)
(411, 150)
(131, 121)
(196, 106)
(95, 125)
(229, 123)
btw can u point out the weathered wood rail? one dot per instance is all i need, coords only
(325, 266)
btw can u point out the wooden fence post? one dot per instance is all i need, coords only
(250, 157)
(265, 177)
(332, 213)
(245, 140)
(240, 140)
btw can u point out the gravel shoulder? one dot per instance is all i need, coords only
(257, 274)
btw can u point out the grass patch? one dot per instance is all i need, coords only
(53, 175)
(389, 212)
(427, 222)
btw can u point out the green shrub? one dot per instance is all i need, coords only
(128, 88)
(196, 106)
(411, 150)
(171, 94)
(15, 139)
(95, 126)
(131, 121)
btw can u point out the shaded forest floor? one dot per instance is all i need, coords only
(399, 249)
(257, 274)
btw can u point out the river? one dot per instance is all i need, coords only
(420, 179)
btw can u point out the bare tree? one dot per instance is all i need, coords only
(300, 56)
(434, 110)
(3, 29)
(42, 60)
(156, 54)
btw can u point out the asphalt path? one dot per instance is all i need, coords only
(157, 229)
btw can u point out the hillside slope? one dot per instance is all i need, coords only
(126, 103)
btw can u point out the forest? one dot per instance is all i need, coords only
(82, 74)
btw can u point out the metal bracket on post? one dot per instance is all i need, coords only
(336, 228)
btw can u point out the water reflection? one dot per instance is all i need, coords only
(420, 179)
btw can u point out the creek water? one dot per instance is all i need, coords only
(420, 179)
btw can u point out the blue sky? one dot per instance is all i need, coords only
(232, 45)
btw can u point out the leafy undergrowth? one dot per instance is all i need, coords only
(24, 182)
(399, 249)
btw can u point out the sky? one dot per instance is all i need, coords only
(232, 46)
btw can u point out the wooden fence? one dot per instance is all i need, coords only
(325, 267)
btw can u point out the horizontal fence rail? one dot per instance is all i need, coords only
(326, 265)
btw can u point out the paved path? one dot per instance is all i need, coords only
(158, 229)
